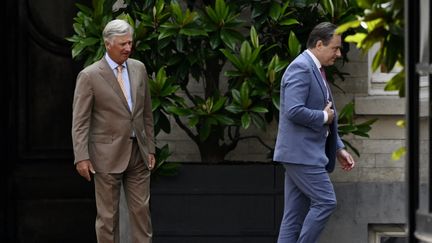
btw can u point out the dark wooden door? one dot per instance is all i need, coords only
(45, 200)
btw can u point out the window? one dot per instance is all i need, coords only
(378, 79)
(383, 233)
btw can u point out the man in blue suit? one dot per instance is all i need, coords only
(308, 142)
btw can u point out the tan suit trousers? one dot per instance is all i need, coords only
(136, 184)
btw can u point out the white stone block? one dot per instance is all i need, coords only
(380, 105)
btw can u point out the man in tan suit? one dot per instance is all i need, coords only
(112, 133)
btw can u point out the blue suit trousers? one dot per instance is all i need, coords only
(309, 201)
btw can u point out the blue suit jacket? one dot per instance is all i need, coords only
(303, 138)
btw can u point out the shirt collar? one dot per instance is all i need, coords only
(315, 60)
(113, 65)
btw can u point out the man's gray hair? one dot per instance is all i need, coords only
(116, 27)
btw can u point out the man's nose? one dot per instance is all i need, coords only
(128, 47)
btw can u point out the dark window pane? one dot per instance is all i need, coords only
(388, 239)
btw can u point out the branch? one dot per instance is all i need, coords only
(189, 132)
(189, 95)
(231, 146)
(236, 135)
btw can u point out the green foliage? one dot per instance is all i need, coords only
(88, 25)
(164, 96)
(162, 167)
(400, 152)
(347, 125)
(381, 22)
(235, 50)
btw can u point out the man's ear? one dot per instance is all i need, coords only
(107, 44)
(319, 44)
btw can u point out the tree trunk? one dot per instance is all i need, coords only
(212, 72)
(211, 151)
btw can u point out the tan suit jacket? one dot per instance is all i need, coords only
(102, 122)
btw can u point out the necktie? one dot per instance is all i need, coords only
(120, 80)
(323, 74)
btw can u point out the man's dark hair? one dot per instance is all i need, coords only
(323, 31)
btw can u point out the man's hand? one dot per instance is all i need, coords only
(84, 168)
(330, 112)
(345, 159)
(151, 161)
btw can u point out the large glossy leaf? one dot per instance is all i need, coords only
(219, 104)
(193, 32)
(245, 120)
(84, 9)
(356, 38)
(221, 9)
(260, 72)
(254, 37)
(258, 121)
(397, 83)
(245, 100)
(259, 109)
(230, 38)
(347, 112)
(288, 22)
(164, 123)
(377, 59)
(245, 52)
(236, 96)
(365, 4)
(294, 45)
(155, 103)
(346, 26)
(224, 120)
(234, 108)
(328, 7)
(193, 121)
(212, 14)
(168, 30)
(276, 101)
(215, 41)
(275, 11)
(232, 58)
(179, 111)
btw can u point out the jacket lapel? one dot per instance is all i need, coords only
(108, 75)
(318, 78)
(134, 82)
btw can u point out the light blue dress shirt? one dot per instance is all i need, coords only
(113, 65)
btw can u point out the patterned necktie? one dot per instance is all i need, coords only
(120, 80)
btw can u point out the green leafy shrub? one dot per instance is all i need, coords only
(236, 51)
